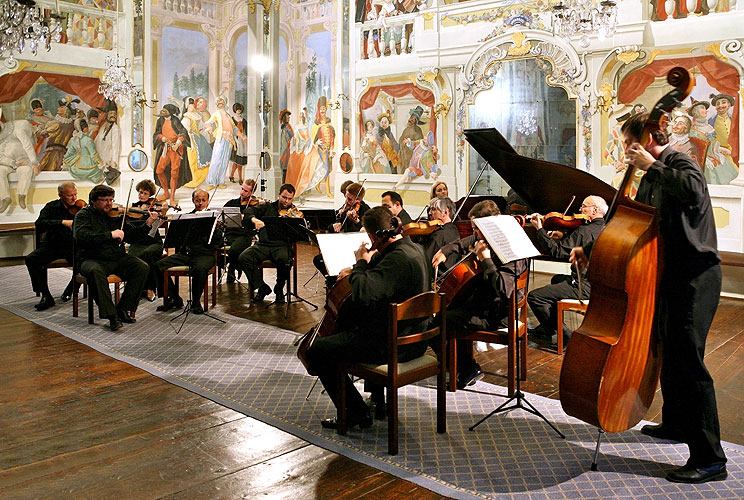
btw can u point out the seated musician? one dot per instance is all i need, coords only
(277, 252)
(393, 271)
(146, 246)
(394, 202)
(486, 305)
(99, 239)
(198, 255)
(440, 208)
(55, 223)
(543, 301)
(439, 189)
(348, 220)
(239, 238)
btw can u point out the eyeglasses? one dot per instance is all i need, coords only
(587, 206)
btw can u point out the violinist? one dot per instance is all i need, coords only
(55, 224)
(441, 209)
(277, 252)
(146, 247)
(543, 301)
(393, 270)
(688, 296)
(486, 306)
(239, 238)
(394, 202)
(99, 241)
(198, 255)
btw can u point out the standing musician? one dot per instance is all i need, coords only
(239, 238)
(394, 202)
(99, 239)
(198, 255)
(687, 300)
(486, 306)
(543, 301)
(441, 208)
(55, 222)
(146, 247)
(277, 252)
(393, 270)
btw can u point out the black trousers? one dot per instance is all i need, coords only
(151, 254)
(37, 262)
(687, 304)
(199, 266)
(252, 257)
(237, 246)
(543, 301)
(129, 268)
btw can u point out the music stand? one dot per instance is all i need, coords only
(180, 229)
(228, 218)
(290, 230)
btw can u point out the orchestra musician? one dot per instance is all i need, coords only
(99, 239)
(146, 247)
(55, 222)
(439, 189)
(442, 209)
(486, 306)
(688, 297)
(543, 301)
(239, 238)
(198, 255)
(394, 202)
(277, 252)
(393, 270)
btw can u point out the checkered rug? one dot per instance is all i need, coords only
(252, 368)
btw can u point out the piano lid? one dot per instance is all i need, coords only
(545, 186)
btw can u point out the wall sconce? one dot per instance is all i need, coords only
(443, 107)
(143, 101)
(603, 102)
(338, 102)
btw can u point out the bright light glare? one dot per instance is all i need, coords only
(261, 63)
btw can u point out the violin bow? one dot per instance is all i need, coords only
(569, 204)
(472, 188)
(356, 197)
(126, 207)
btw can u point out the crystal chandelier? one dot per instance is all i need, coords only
(584, 17)
(21, 25)
(116, 85)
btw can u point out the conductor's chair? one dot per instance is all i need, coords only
(563, 306)
(508, 336)
(394, 374)
(177, 271)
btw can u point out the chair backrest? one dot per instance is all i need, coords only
(518, 301)
(424, 305)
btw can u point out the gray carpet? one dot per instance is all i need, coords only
(252, 368)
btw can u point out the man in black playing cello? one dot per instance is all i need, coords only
(486, 306)
(688, 297)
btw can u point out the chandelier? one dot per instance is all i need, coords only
(584, 17)
(22, 24)
(116, 85)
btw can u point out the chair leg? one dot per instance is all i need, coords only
(511, 357)
(117, 295)
(523, 356)
(205, 295)
(166, 280)
(90, 310)
(341, 410)
(452, 363)
(75, 302)
(392, 414)
(214, 290)
(441, 398)
(559, 313)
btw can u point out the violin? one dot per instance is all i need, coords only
(252, 201)
(556, 221)
(135, 213)
(77, 206)
(292, 212)
(423, 228)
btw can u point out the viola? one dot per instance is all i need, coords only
(292, 212)
(77, 206)
(556, 221)
(423, 228)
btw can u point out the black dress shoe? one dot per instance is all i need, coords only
(262, 292)
(469, 377)
(280, 299)
(173, 303)
(197, 309)
(661, 431)
(46, 302)
(115, 323)
(701, 474)
(124, 316)
(363, 422)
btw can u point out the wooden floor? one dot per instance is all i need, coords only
(78, 424)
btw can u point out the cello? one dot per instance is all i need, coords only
(611, 367)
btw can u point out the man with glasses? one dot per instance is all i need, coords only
(100, 242)
(442, 209)
(543, 301)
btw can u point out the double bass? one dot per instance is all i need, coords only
(611, 367)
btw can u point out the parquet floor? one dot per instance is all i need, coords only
(78, 424)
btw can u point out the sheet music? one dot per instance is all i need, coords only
(233, 217)
(204, 214)
(338, 249)
(506, 238)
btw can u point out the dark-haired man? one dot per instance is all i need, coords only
(239, 238)
(394, 202)
(395, 271)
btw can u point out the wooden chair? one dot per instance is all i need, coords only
(80, 280)
(517, 328)
(177, 271)
(267, 264)
(420, 306)
(563, 306)
(55, 264)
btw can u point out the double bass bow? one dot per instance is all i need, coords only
(611, 367)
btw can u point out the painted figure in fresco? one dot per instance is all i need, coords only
(391, 35)
(725, 171)
(407, 7)
(38, 118)
(324, 136)
(285, 141)
(223, 131)
(388, 143)
(614, 151)
(58, 133)
(93, 118)
(108, 139)
(303, 156)
(412, 132)
(16, 155)
(200, 151)
(238, 158)
(81, 158)
(369, 13)
(680, 140)
(373, 158)
(201, 108)
(423, 160)
(171, 162)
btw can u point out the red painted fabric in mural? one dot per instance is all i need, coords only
(15, 85)
(399, 90)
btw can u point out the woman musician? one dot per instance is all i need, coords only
(146, 247)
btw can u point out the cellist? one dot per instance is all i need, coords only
(486, 306)
(689, 291)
